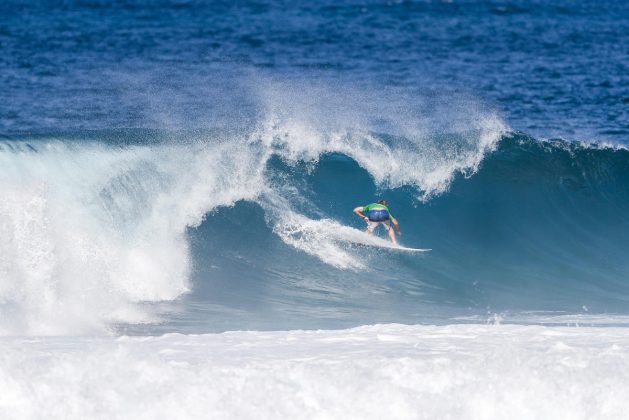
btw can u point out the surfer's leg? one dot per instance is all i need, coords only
(389, 229)
(371, 226)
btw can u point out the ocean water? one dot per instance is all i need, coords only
(189, 167)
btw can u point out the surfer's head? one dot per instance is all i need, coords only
(383, 202)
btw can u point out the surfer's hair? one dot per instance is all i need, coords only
(383, 202)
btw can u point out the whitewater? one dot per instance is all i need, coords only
(381, 371)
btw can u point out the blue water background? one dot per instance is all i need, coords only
(555, 69)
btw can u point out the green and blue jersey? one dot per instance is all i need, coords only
(377, 212)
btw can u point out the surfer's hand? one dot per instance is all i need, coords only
(366, 219)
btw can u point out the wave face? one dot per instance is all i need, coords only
(540, 228)
(207, 231)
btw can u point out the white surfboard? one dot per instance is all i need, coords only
(355, 237)
(403, 248)
(391, 247)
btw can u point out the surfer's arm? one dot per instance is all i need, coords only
(359, 212)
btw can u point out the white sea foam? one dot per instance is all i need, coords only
(371, 372)
(551, 318)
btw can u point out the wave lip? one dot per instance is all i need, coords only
(399, 142)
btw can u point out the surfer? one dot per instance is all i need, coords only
(378, 214)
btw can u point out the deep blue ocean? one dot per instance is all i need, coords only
(192, 166)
